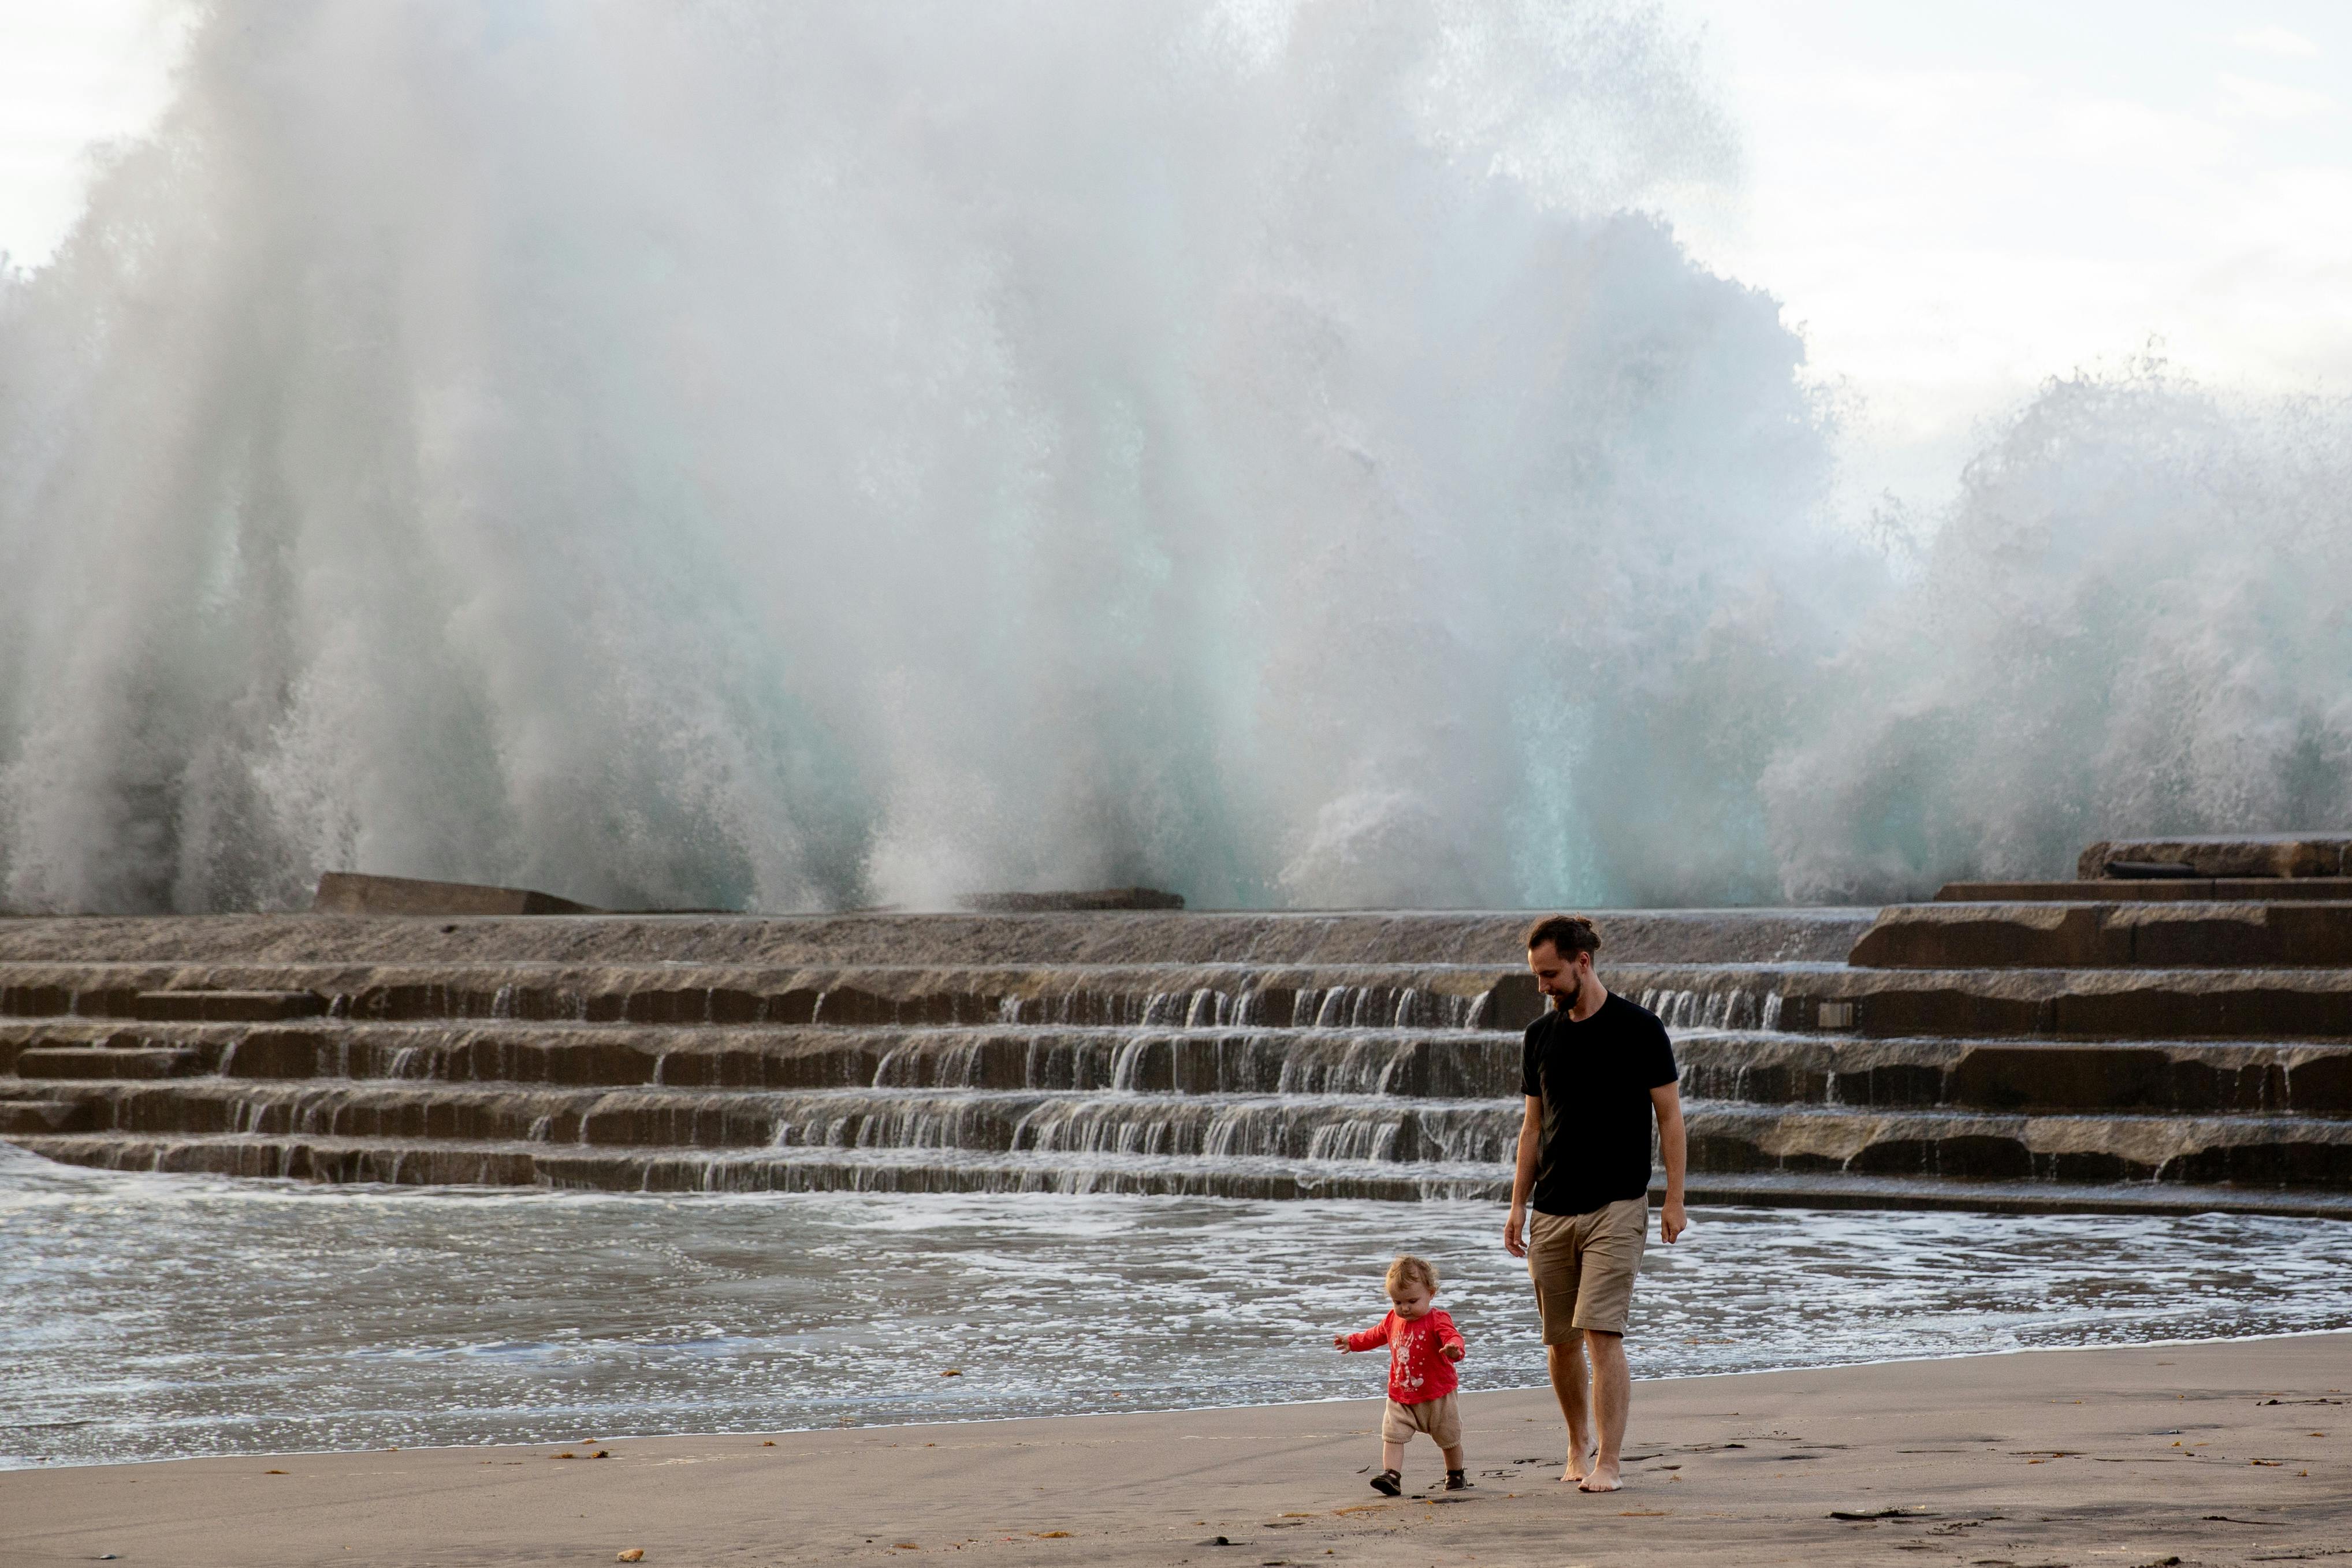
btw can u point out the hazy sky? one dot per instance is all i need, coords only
(71, 75)
(1954, 203)
(1957, 202)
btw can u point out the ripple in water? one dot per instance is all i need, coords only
(178, 1315)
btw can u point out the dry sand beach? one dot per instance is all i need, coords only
(2228, 1452)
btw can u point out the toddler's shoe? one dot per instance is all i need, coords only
(1456, 1481)
(1388, 1483)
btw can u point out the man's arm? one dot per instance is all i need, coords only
(1668, 1098)
(1523, 1180)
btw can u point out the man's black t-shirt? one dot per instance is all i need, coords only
(1594, 1079)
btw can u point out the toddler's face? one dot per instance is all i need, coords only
(1411, 1299)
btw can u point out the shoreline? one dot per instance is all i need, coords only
(1640, 1380)
(2156, 1449)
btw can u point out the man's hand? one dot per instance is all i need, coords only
(1512, 1242)
(1338, 1341)
(1674, 1150)
(1450, 1352)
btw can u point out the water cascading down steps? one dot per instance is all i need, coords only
(2043, 1052)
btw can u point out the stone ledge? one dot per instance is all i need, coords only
(1107, 898)
(2190, 934)
(2226, 854)
(356, 893)
(2117, 890)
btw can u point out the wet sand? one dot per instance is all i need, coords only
(2235, 1452)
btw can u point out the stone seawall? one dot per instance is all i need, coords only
(2040, 1053)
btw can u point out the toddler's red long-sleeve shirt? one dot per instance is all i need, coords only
(1417, 1372)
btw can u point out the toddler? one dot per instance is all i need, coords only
(1422, 1347)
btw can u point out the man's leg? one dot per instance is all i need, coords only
(1612, 1263)
(1554, 1261)
(1613, 1393)
(1571, 1386)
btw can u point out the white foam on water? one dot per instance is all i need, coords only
(190, 1315)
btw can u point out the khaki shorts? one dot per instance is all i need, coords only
(1583, 1266)
(1437, 1417)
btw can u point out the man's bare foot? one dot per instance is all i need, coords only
(1580, 1463)
(1604, 1477)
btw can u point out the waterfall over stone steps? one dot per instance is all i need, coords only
(1990, 1055)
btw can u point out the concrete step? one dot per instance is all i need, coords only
(1235, 1126)
(1359, 995)
(203, 1006)
(1974, 1001)
(507, 1163)
(2108, 936)
(2260, 1151)
(2082, 1004)
(192, 947)
(1293, 1124)
(64, 1063)
(1788, 1189)
(2286, 856)
(2303, 1078)
(32, 1117)
(1909, 1162)
(2223, 890)
(1442, 1063)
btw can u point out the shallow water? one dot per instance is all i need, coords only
(162, 1316)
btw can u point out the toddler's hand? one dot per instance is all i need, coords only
(1450, 1352)
(1338, 1341)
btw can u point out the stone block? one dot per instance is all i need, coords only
(23, 1118)
(279, 1053)
(2191, 1010)
(194, 1006)
(2319, 1085)
(356, 893)
(1513, 1003)
(2227, 890)
(1991, 937)
(2286, 1162)
(1937, 1010)
(1962, 1156)
(36, 1001)
(2228, 854)
(1056, 903)
(2190, 934)
(2288, 935)
(69, 1061)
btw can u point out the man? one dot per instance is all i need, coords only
(1597, 1069)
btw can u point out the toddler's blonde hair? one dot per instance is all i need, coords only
(1412, 1267)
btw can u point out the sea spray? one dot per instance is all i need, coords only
(2133, 619)
(787, 456)
(783, 456)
